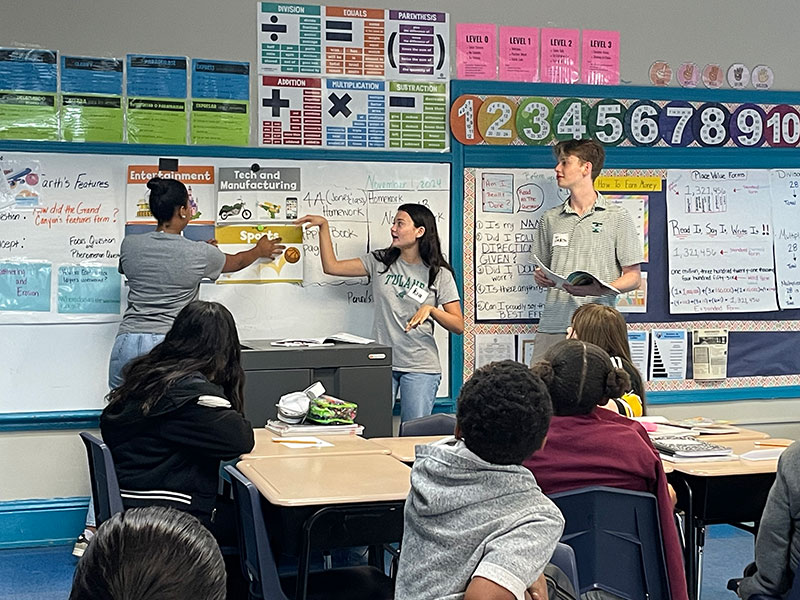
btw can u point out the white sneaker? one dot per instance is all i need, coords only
(81, 544)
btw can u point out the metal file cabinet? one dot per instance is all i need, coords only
(360, 373)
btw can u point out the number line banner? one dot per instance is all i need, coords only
(505, 120)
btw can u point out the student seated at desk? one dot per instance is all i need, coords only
(178, 413)
(587, 445)
(155, 553)
(477, 526)
(778, 540)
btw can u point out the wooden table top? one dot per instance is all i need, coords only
(342, 444)
(402, 448)
(736, 466)
(742, 435)
(328, 479)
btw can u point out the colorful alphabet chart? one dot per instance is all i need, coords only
(417, 45)
(418, 116)
(355, 113)
(290, 111)
(354, 41)
(289, 38)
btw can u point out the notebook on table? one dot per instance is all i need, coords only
(687, 446)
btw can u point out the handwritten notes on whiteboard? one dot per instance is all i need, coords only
(508, 207)
(785, 184)
(719, 236)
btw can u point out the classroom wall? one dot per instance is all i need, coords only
(52, 464)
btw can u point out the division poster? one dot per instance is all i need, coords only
(289, 38)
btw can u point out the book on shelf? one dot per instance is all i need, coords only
(282, 429)
(574, 278)
(687, 446)
(347, 338)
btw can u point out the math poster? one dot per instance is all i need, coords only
(59, 241)
(418, 116)
(417, 45)
(354, 41)
(289, 38)
(354, 114)
(289, 111)
(786, 225)
(720, 239)
(508, 206)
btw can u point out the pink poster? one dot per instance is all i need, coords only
(560, 55)
(600, 57)
(519, 54)
(476, 51)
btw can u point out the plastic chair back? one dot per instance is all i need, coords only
(564, 558)
(616, 536)
(258, 562)
(438, 424)
(105, 488)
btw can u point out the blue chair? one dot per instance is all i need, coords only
(258, 561)
(438, 424)
(616, 536)
(105, 488)
(564, 558)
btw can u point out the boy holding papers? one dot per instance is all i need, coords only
(477, 526)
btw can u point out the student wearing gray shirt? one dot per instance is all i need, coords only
(586, 233)
(410, 281)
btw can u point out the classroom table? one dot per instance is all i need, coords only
(265, 447)
(740, 436)
(713, 492)
(403, 448)
(317, 495)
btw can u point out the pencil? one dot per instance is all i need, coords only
(773, 444)
(277, 441)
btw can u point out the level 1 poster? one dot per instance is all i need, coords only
(719, 237)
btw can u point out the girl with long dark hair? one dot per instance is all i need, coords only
(411, 280)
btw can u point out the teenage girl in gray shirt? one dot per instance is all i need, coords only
(414, 287)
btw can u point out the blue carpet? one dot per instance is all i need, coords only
(46, 573)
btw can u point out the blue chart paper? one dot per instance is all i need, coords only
(220, 80)
(28, 70)
(88, 290)
(25, 286)
(354, 113)
(87, 75)
(156, 76)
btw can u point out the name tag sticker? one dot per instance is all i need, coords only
(560, 239)
(418, 294)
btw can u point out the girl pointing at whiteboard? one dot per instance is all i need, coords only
(410, 280)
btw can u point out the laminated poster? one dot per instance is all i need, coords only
(519, 54)
(289, 38)
(476, 51)
(156, 104)
(417, 45)
(91, 99)
(289, 111)
(600, 57)
(354, 40)
(220, 103)
(668, 351)
(287, 268)
(28, 85)
(560, 55)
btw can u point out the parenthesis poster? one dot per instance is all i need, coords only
(719, 237)
(28, 85)
(785, 186)
(354, 40)
(600, 57)
(560, 55)
(289, 111)
(476, 51)
(91, 99)
(417, 45)
(519, 54)
(289, 38)
(354, 113)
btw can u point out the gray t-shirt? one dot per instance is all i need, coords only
(601, 241)
(164, 272)
(396, 302)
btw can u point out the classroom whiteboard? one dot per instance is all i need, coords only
(57, 361)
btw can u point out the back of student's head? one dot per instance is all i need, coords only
(155, 553)
(586, 150)
(166, 195)
(580, 376)
(603, 326)
(202, 339)
(503, 412)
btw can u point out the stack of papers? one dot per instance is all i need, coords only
(682, 447)
(285, 429)
(347, 338)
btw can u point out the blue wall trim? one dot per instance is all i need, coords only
(50, 421)
(31, 523)
(724, 395)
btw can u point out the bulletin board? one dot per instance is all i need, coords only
(754, 139)
(63, 298)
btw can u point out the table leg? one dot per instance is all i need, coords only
(701, 542)
(690, 534)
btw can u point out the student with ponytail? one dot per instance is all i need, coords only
(411, 280)
(589, 446)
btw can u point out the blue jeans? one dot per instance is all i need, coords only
(417, 393)
(128, 346)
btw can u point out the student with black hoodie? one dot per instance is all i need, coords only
(178, 413)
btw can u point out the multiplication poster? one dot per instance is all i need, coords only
(719, 237)
(354, 41)
(417, 45)
(355, 113)
(289, 38)
(289, 111)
